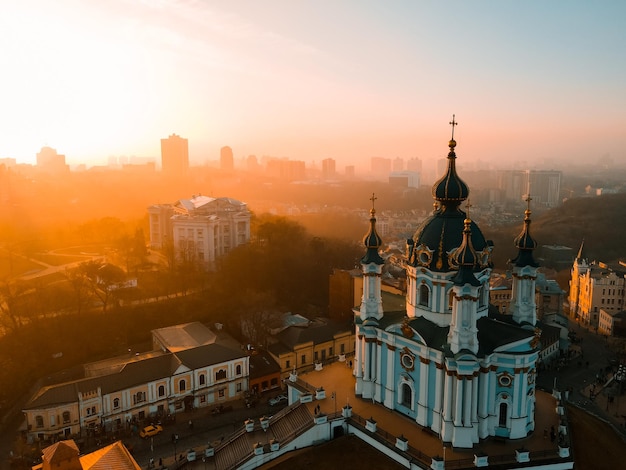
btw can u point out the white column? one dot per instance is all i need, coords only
(458, 410)
(447, 399)
(422, 405)
(358, 371)
(367, 356)
(437, 411)
(390, 384)
(516, 395)
(475, 398)
(468, 388)
(522, 391)
(483, 394)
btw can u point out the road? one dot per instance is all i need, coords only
(580, 376)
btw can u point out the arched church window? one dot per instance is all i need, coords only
(502, 417)
(424, 295)
(407, 395)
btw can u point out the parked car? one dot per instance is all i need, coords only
(191, 455)
(151, 430)
(277, 399)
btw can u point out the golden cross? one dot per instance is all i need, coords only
(373, 198)
(453, 123)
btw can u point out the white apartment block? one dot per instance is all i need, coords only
(200, 229)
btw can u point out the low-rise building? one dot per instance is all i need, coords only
(122, 392)
(298, 348)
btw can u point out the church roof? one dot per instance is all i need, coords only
(492, 333)
(442, 232)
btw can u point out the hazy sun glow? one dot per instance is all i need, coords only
(313, 79)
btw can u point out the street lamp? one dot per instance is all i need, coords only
(174, 440)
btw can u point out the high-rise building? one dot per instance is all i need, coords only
(328, 168)
(543, 186)
(226, 158)
(398, 164)
(174, 155)
(381, 167)
(50, 161)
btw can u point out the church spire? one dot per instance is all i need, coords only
(525, 242)
(372, 240)
(451, 190)
(465, 257)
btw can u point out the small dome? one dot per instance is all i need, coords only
(372, 240)
(450, 189)
(525, 243)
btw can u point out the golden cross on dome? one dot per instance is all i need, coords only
(453, 123)
(468, 207)
(373, 198)
(528, 199)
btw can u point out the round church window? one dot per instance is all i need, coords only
(407, 361)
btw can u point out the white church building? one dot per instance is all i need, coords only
(447, 361)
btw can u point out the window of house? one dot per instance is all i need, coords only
(202, 398)
(116, 403)
(342, 348)
(66, 417)
(274, 382)
(220, 374)
(303, 359)
(221, 393)
(39, 421)
(315, 356)
(238, 386)
(238, 369)
(182, 385)
(330, 351)
(202, 379)
(161, 391)
(287, 364)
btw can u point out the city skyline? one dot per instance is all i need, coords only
(314, 80)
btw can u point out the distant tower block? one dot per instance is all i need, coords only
(174, 156)
(226, 158)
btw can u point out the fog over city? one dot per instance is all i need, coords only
(412, 204)
(531, 84)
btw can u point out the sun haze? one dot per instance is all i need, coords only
(313, 79)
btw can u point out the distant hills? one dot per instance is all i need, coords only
(600, 221)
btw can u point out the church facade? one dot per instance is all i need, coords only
(446, 361)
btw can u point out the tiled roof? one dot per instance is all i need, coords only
(294, 335)
(134, 373)
(112, 457)
(188, 335)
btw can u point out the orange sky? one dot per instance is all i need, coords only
(308, 80)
